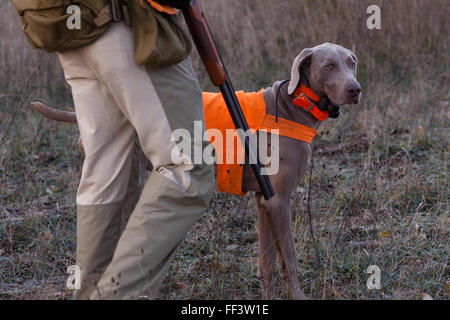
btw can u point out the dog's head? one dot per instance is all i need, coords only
(330, 70)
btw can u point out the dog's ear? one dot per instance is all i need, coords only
(299, 62)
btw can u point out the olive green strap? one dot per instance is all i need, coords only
(103, 17)
(122, 14)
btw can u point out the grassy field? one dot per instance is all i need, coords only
(379, 182)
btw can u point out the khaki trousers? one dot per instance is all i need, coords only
(126, 234)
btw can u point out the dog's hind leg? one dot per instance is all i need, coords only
(267, 252)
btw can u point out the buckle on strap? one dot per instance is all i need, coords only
(119, 11)
(116, 12)
(311, 104)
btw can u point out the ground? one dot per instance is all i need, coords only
(377, 191)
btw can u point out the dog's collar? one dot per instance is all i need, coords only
(310, 101)
(307, 99)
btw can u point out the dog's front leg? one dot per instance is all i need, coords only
(287, 256)
(278, 216)
(267, 252)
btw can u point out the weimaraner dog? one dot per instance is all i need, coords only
(329, 70)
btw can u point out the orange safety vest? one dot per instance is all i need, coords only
(229, 176)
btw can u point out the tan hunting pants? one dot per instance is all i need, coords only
(126, 235)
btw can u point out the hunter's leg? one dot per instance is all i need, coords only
(110, 185)
(176, 194)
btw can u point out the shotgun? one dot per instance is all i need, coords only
(209, 54)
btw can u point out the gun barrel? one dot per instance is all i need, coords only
(207, 49)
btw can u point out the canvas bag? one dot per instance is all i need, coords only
(160, 39)
(45, 23)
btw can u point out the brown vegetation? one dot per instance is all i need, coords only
(379, 183)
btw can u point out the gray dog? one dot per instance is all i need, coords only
(329, 72)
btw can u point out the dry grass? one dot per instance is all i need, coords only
(379, 184)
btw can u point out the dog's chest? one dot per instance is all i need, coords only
(222, 135)
(229, 149)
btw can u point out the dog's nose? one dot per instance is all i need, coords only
(354, 89)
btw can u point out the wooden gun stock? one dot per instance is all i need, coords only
(201, 34)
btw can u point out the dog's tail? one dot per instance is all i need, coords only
(54, 114)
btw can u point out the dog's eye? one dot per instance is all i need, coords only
(353, 65)
(330, 67)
